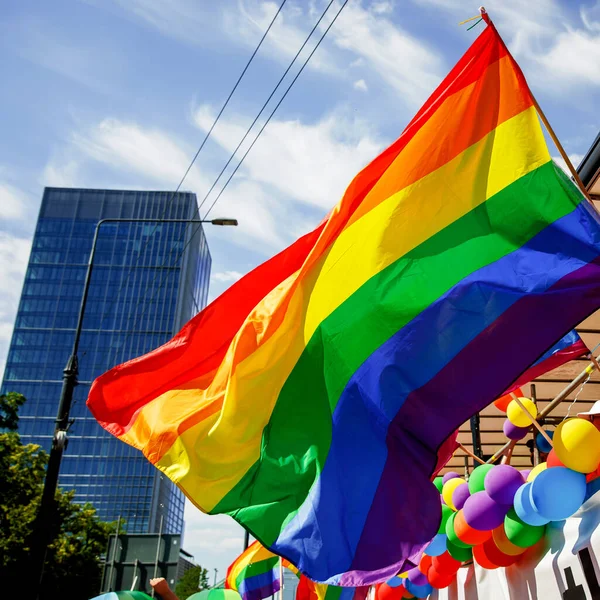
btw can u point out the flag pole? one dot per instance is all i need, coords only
(280, 578)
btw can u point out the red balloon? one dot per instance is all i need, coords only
(496, 555)
(466, 533)
(503, 402)
(553, 460)
(424, 564)
(444, 563)
(384, 592)
(482, 559)
(440, 580)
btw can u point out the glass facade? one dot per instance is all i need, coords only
(148, 280)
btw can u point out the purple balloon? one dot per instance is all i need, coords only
(442, 499)
(449, 476)
(525, 474)
(512, 432)
(502, 482)
(482, 513)
(415, 576)
(460, 495)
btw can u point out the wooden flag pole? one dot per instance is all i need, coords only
(469, 453)
(532, 419)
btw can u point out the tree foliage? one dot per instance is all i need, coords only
(9, 410)
(193, 580)
(79, 538)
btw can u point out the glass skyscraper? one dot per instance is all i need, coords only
(148, 280)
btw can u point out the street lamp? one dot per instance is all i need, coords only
(40, 537)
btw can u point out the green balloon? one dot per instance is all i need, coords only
(438, 482)
(447, 512)
(458, 553)
(452, 537)
(477, 477)
(520, 533)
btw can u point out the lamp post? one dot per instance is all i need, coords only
(41, 530)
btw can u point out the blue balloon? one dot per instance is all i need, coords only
(558, 494)
(420, 591)
(542, 443)
(437, 545)
(524, 509)
(394, 582)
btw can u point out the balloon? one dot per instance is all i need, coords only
(383, 591)
(415, 576)
(424, 564)
(420, 591)
(439, 483)
(502, 482)
(451, 533)
(394, 582)
(458, 552)
(403, 575)
(525, 474)
(558, 493)
(477, 478)
(520, 533)
(512, 432)
(445, 563)
(536, 471)
(542, 443)
(504, 544)
(448, 476)
(481, 558)
(447, 512)
(449, 488)
(553, 460)
(437, 545)
(482, 513)
(517, 416)
(525, 509)
(467, 534)
(460, 495)
(503, 402)
(496, 556)
(439, 580)
(577, 445)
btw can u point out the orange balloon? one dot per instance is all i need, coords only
(496, 556)
(424, 564)
(444, 563)
(503, 402)
(466, 533)
(439, 580)
(504, 544)
(553, 460)
(482, 559)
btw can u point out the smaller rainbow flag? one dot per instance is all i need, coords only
(310, 590)
(254, 574)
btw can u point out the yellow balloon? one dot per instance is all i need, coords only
(577, 445)
(448, 490)
(536, 471)
(403, 575)
(517, 416)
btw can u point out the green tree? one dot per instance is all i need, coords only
(193, 580)
(73, 568)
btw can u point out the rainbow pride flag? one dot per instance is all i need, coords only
(254, 574)
(310, 590)
(309, 400)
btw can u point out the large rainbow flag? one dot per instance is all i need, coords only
(254, 574)
(310, 399)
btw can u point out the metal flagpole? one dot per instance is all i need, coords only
(280, 578)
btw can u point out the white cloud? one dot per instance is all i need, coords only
(12, 202)
(14, 254)
(361, 85)
(408, 64)
(311, 163)
(60, 173)
(575, 161)
(382, 8)
(226, 276)
(215, 541)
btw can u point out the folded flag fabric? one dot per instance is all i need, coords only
(309, 590)
(309, 400)
(254, 574)
(568, 348)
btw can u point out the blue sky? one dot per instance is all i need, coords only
(119, 93)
